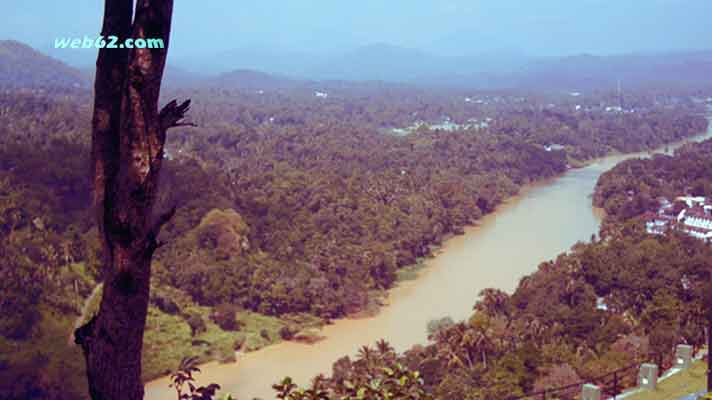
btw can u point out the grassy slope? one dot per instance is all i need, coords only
(167, 340)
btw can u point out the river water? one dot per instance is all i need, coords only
(543, 221)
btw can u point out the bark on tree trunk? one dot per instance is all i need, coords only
(707, 303)
(112, 341)
(128, 136)
(709, 354)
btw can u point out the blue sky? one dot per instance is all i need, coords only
(535, 27)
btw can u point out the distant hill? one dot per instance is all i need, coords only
(374, 62)
(173, 77)
(269, 60)
(679, 69)
(380, 62)
(265, 69)
(177, 77)
(491, 70)
(253, 80)
(21, 66)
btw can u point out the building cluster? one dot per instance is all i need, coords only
(691, 215)
(446, 124)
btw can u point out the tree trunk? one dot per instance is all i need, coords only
(709, 350)
(707, 303)
(112, 341)
(128, 136)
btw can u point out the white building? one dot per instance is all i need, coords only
(695, 219)
(697, 222)
(658, 224)
(601, 304)
(693, 201)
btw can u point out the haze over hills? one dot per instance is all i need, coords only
(679, 69)
(22, 66)
(255, 69)
(494, 69)
(252, 80)
(267, 59)
(378, 61)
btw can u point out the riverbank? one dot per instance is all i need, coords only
(408, 306)
(254, 373)
(529, 228)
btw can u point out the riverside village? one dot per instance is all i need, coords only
(691, 215)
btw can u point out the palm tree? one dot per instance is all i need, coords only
(384, 348)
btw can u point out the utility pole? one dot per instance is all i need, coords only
(620, 95)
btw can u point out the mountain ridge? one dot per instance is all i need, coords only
(21, 66)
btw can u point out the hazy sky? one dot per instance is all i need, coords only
(535, 27)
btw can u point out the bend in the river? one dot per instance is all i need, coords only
(543, 221)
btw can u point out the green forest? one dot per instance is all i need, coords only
(634, 186)
(623, 298)
(550, 333)
(293, 211)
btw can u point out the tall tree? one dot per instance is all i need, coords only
(708, 314)
(128, 136)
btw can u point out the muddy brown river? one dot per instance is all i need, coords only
(543, 221)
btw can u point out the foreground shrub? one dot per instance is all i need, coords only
(225, 317)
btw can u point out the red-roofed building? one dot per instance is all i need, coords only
(695, 219)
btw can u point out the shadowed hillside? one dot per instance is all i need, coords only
(21, 67)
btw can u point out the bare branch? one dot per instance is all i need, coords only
(184, 124)
(172, 115)
(152, 236)
(84, 332)
(161, 221)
